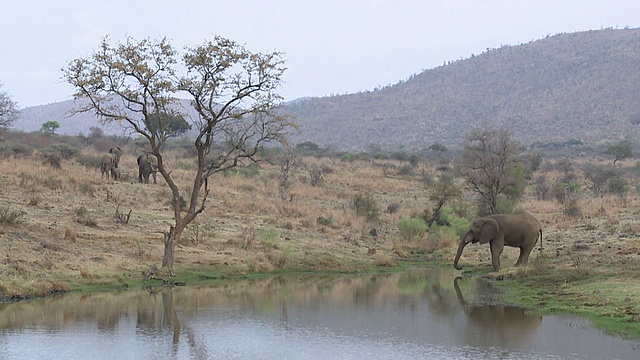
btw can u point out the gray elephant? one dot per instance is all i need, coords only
(147, 165)
(117, 152)
(519, 230)
(108, 166)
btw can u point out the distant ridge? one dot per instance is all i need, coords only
(583, 85)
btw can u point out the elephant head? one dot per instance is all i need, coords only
(117, 152)
(519, 230)
(481, 230)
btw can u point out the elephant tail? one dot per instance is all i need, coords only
(540, 239)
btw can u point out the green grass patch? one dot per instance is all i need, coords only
(611, 305)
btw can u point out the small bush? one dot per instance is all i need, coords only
(411, 228)
(459, 226)
(393, 208)
(17, 150)
(405, 170)
(365, 206)
(82, 217)
(504, 204)
(89, 161)
(572, 208)
(348, 158)
(249, 171)
(325, 221)
(86, 188)
(542, 188)
(316, 178)
(618, 185)
(268, 237)
(11, 217)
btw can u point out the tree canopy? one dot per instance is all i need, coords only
(50, 127)
(166, 126)
(8, 110)
(233, 92)
(620, 151)
(492, 166)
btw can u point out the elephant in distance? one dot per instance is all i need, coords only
(147, 165)
(117, 152)
(519, 230)
(108, 166)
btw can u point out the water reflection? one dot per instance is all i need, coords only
(494, 323)
(417, 314)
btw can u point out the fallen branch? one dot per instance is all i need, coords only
(121, 217)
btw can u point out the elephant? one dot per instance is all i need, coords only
(147, 165)
(117, 152)
(108, 166)
(519, 230)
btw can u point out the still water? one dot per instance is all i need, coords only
(421, 314)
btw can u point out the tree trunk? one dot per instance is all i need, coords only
(170, 241)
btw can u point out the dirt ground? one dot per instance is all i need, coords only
(69, 229)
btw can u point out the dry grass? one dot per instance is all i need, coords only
(69, 232)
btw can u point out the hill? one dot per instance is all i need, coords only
(582, 86)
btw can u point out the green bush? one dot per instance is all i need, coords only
(411, 228)
(268, 237)
(365, 206)
(618, 185)
(459, 226)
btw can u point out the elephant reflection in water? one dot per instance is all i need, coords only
(496, 324)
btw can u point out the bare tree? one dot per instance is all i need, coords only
(491, 165)
(8, 110)
(232, 90)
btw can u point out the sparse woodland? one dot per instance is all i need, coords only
(64, 226)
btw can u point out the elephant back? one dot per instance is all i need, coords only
(117, 152)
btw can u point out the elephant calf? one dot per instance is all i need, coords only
(147, 165)
(519, 230)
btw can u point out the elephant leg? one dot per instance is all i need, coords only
(523, 259)
(496, 251)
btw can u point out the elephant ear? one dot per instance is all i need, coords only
(489, 231)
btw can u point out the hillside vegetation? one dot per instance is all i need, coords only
(581, 86)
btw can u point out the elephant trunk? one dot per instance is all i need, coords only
(461, 245)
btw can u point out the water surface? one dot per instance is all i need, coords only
(421, 314)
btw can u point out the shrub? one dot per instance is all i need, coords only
(11, 217)
(65, 151)
(504, 204)
(393, 208)
(618, 185)
(459, 226)
(542, 188)
(89, 161)
(16, 150)
(348, 158)
(405, 170)
(316, 178)
(82, 217)
(412, 228)
(268, 237)
(365, 206)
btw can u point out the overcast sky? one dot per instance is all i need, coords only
(330, 46)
